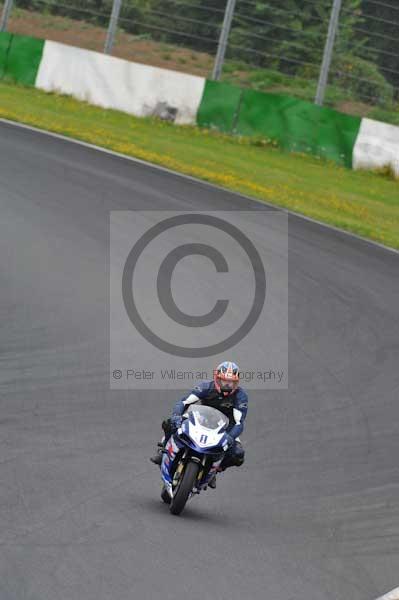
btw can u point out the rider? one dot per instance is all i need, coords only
(223, 393)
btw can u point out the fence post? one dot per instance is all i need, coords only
(7, 8)
(223, 39)
(328, 52)
(113, 24)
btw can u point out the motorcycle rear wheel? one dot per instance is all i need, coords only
(184, 488)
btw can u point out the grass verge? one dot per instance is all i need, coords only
(364, 203)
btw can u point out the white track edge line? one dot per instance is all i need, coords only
(392, 595)
(196, 180)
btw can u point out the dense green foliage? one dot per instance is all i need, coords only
(383, 36)
(287, 37)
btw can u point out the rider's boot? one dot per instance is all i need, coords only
(212, 482)
(157, 458)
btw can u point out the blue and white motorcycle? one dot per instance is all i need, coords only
(192, 455)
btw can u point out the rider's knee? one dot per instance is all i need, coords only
(236, 457)
(166, 426)
(239, 458)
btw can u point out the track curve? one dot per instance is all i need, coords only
(315, 512)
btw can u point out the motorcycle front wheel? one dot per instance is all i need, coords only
(184, 488)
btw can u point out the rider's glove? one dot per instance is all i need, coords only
(229, 440)
(176, 421)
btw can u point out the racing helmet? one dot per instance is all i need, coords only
(226, 377)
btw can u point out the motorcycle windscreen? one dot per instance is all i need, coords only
(207, 417)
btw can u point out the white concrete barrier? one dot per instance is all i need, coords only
(377, 146)
(143, 90)
(112, 82)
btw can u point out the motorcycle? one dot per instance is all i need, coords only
(193, 455)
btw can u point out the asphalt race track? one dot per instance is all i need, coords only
(314, 515)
